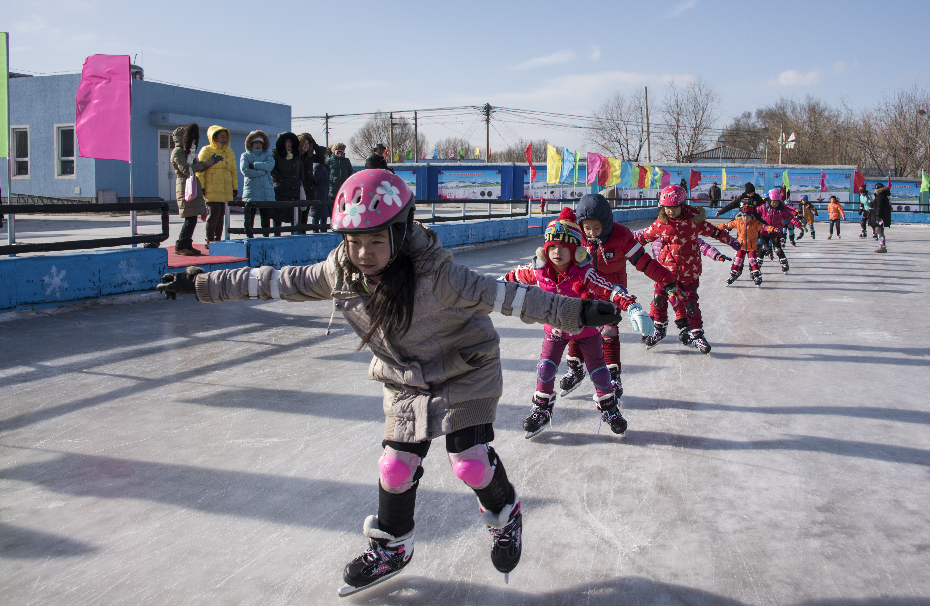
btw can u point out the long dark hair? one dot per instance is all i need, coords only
(191, 137)
(391, 305)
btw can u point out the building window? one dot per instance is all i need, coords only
(64, 150)
(20, 138)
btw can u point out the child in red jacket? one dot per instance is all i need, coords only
(680, 226)
(563, 266)
(610, 245)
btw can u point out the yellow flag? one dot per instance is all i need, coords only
(614, 171)
(553, 164)
(724, 179)
(648, 180)
(397, 155)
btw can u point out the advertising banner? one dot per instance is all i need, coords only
(540, 190)
(409, 177)
(737, 178)
(470, 184)
(807, 182)
(905, 195)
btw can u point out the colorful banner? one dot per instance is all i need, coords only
(553, 165)
(102, 112)
(901, 191)
(4, 95)
(408, 176)
(541, 189)
(808, 182)
(470, 184)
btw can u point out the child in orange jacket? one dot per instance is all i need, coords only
(748, 228)
(835, 210)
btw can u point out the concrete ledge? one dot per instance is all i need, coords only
(42, 281)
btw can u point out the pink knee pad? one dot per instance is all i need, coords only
(609, 331)
(397, 470)
(473, 466)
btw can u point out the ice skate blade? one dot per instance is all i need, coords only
(565, 392)
(347, 590)
(506, 578)
(531, 434)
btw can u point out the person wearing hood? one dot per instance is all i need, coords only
(256, 165)
(880, 215)
(185, 139)
(610, 246)
(340, 169)
(220, 181)
(286, 178)
(865, 208)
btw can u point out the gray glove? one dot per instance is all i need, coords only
(599, 313)
(179, 283)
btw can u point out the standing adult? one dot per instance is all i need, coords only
(256, 165)
(186, 138)
(340, 169)
(376, 159)
(714, 194)
(220, 181)
(880, 215)
(319, 189)
(286, 179)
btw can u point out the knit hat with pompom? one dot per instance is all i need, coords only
(566, 232)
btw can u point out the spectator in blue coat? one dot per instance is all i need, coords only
(256, 165)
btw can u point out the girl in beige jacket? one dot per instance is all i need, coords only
(436, 352)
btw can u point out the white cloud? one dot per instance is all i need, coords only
(682, 7)
(793, 77)
(595, 53)
(841, 66)
(553, 59)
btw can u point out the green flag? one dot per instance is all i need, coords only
(4, 95)
(925, 182)
(577, 156)
(784, 180)
(409, 155)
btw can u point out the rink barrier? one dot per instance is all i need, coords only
(896, 217)
(37, 281)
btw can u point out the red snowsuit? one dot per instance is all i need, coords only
(681, 255)
(609, 259)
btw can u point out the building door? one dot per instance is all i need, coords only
(166, 174)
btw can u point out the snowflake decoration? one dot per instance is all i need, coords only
(128, 272)
(389, 193)
(54, 281)
(277, 258)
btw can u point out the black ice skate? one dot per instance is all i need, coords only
(615, 379)
(506, 528)
(862, 235)
(657, 336)
(734, 274)
(784, 265)
(385, 557)
(541, 416)
(698, 340)
(791, 239)
(756, 276)
(813, 235)
(573, 378)
(610, 413)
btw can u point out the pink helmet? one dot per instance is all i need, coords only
(775, 194)
(673, 195)
(370, 201)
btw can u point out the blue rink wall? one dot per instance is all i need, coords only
(38, 281)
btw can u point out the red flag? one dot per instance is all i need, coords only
(529, 158)
(823, 181)
(643, 177)
(858, 181)
(603, 173)
(695, 179)
(102, 116)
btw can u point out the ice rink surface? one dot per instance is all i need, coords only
(182, 453)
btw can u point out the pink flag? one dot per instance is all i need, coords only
(102, 115)
(423, 155)
(595, 161)
(666, 178)
(823, 181)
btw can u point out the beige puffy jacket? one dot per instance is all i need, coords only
(444, 374)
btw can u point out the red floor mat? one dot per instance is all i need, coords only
(203, 259)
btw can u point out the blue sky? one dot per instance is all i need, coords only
(359, 56)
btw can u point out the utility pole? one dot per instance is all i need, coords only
(391, 140)
(487, 132)
(326, 129)
(648, 150)
(781, 143)
(416, 140)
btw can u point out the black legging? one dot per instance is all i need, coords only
(767, 242)
(186, 237)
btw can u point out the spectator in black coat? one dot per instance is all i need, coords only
(285, 177)
(714, 194)
(376, 159)
(749, 195)
(880, 215)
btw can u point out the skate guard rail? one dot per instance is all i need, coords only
(277, 204)
(432, 218)
(67, 209)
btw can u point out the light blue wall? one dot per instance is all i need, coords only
(42, 101)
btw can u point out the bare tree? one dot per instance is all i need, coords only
(455, 148)
(517, 152)
(746, 133)
(895, 134)
(378, 130)
(618, 128)
(688, 115)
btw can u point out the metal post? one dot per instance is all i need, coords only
(416, 140)
(391, 140)
(11, 222)
(10, 228)
(432, 210)
(781, 142)
(487, 135)
(226, 220)
(648, 148)
(133, 225)
(326, 128)
(296, 218)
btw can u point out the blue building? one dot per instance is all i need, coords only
(46, 159)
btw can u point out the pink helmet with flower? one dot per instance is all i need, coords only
(370, 201)
(775, 194)
(673, 195)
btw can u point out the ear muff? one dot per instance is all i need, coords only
(581, 253)
(541, 253)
